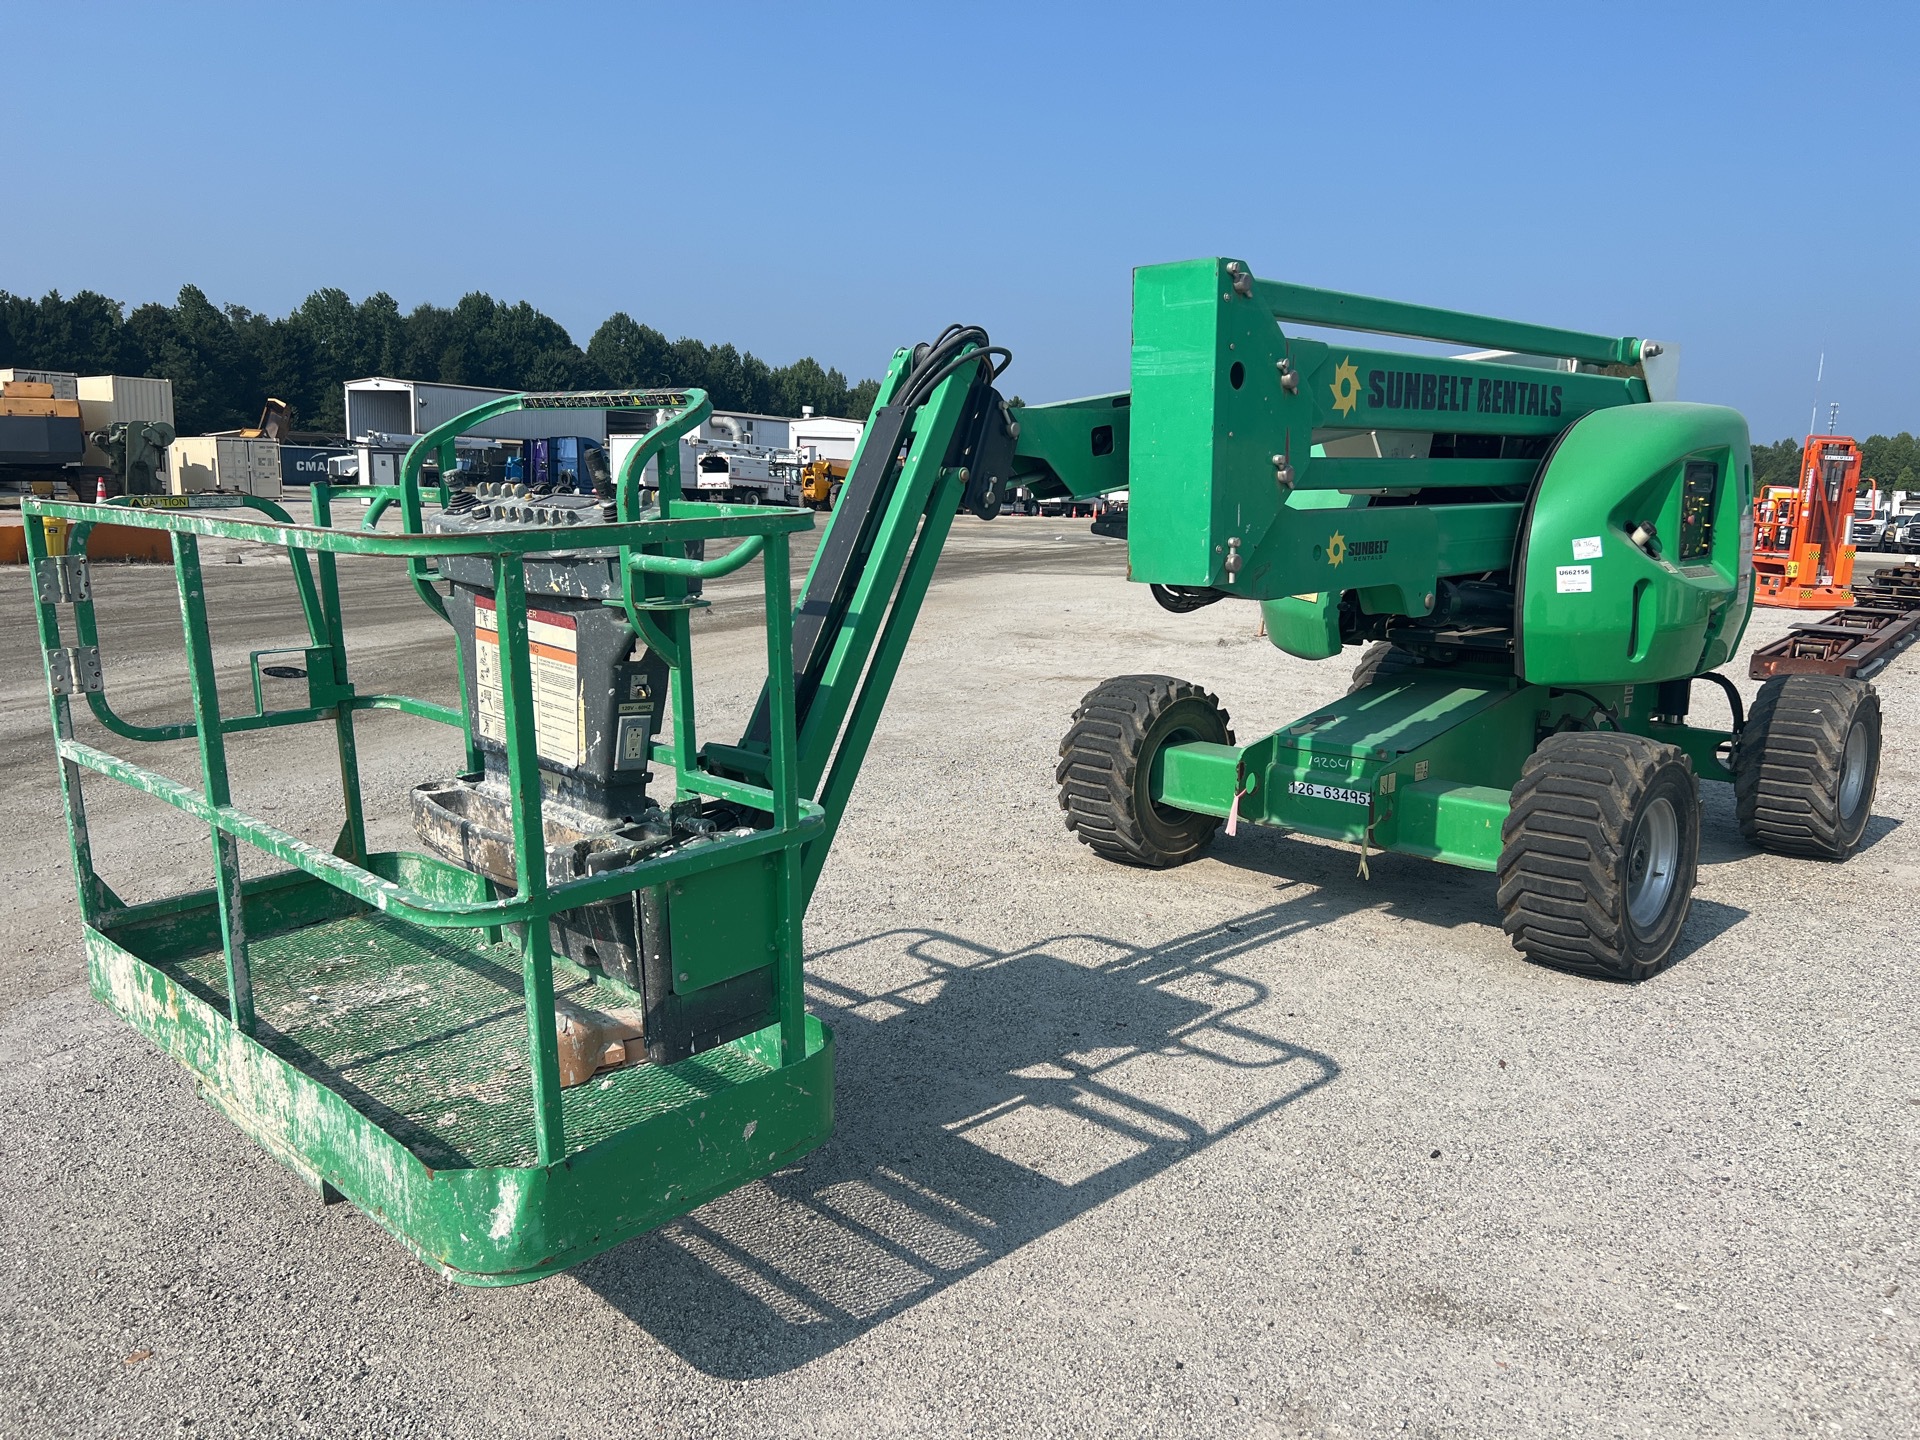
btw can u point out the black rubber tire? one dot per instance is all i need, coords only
(1789, 766)
(1106, 761)
(1584, 819)
(1381, 661)
(833, 496)
(1384, 661)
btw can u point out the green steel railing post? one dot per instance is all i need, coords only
(213, 775)
(783, 779)
(679, 628)
(469, 737)
(353, 833)
(669, 633)
(529, 852)
(92, 891)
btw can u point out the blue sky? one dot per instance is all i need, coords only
(840, 180)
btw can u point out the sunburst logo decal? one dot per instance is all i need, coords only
(1346, 389)
(1336, 548)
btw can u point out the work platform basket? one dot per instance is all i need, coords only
(386, 1022)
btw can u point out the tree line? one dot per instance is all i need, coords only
(225, 360)
(1891, 462)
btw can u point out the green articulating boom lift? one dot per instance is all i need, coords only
(577, 1011)
(1543, 556)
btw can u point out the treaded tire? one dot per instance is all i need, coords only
(1594, 812)
(1791, 767)
(1383, 660)
(1106, 762)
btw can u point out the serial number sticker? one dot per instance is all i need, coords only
(1330, 792)
(1573, 579)
(1587, 547)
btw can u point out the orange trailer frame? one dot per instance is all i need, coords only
(1803, 536)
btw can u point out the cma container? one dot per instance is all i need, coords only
(225, 462)
(65, 383)
(107, 398)
(307, 464)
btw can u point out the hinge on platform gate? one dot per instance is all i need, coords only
(75, 669)
(62, 580)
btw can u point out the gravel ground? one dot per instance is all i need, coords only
(1256, 1147)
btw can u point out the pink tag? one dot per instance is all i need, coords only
(1233, 815)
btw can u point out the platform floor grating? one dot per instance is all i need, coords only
(428, 1038)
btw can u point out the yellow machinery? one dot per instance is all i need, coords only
(820, 482)
(275, 420)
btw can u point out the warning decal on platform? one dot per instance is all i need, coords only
(559, 712)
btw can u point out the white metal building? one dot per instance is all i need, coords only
(828, 437)
(381, 405)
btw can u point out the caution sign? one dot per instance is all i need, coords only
(559, 709)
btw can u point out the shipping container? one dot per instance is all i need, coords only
(225, 462)
(66, 385)
(307, 464)
(107, 398)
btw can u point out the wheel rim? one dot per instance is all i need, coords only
(1151, 773)
(1853, 771)
(1182, 727)
(1653, 863)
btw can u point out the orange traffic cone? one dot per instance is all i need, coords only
(100, 491)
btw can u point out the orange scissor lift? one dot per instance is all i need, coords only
(1802, 537)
